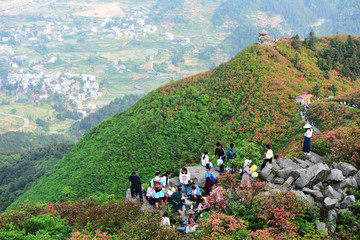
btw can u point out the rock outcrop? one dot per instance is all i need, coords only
(313, 179)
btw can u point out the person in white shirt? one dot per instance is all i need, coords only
(307, 139)
(184, 178)
(268, 156)
(165, 221)
(205, 160)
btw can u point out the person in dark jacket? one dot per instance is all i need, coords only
(135, 187)
(175, 200)
(220, 152)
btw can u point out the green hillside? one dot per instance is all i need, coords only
(250, 98)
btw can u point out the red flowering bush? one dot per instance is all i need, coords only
(99, 236)
(219, 225)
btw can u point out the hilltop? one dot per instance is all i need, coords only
(248, 99)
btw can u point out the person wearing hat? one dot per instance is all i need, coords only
(307, 139)
(246, 173)
(158, 185)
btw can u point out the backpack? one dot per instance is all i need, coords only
(157, 186)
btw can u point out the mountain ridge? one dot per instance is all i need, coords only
(248, 99)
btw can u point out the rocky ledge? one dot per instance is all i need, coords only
(317, 182)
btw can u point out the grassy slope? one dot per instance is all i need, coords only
(250, 97)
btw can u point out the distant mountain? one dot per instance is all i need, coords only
(242, 18)
(248, 99)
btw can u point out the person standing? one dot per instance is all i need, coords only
(184, 178)
(307, 139)
(209, 180)
(166, 178)
(231, 154)
(220, 152)
(158, 185)
(268, 156)
(245, 180)
(135, 186)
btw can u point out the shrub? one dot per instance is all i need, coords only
(219, 225)
(49, 225)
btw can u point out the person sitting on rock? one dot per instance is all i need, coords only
(268, 156)
(194, 193)
(175, 200)
(276, 158)
(184, 178)
(245, 180)
(165, 221)
(158, 185)
(205, 160)
(203, 206)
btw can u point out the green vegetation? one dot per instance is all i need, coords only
(249, 98)
(99, 217)
(78, 129)
(18, 171)
(21, 141)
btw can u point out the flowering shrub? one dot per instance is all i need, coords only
(275, 214)
(221, 226)
(99, 235)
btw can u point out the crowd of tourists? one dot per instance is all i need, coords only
(188, 193)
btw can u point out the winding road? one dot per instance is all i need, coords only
(26, 121)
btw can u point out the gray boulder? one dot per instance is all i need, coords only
(314, 158)
(319, 185)
(302, 163)
(318, 196)
(331, 219)
(310, 198)
(313, 175)
(174, 181)
(330, 203)
(284, 173)
(321, 226)
(348, 200)
(279, 180)
(352, 182)
(297, 173)
(346, 168)
(357, 177)
(290, 180)
(287, 163)
(266, 174)
(335, 176)
(340, 185)
(332, 193)
(308, 190)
